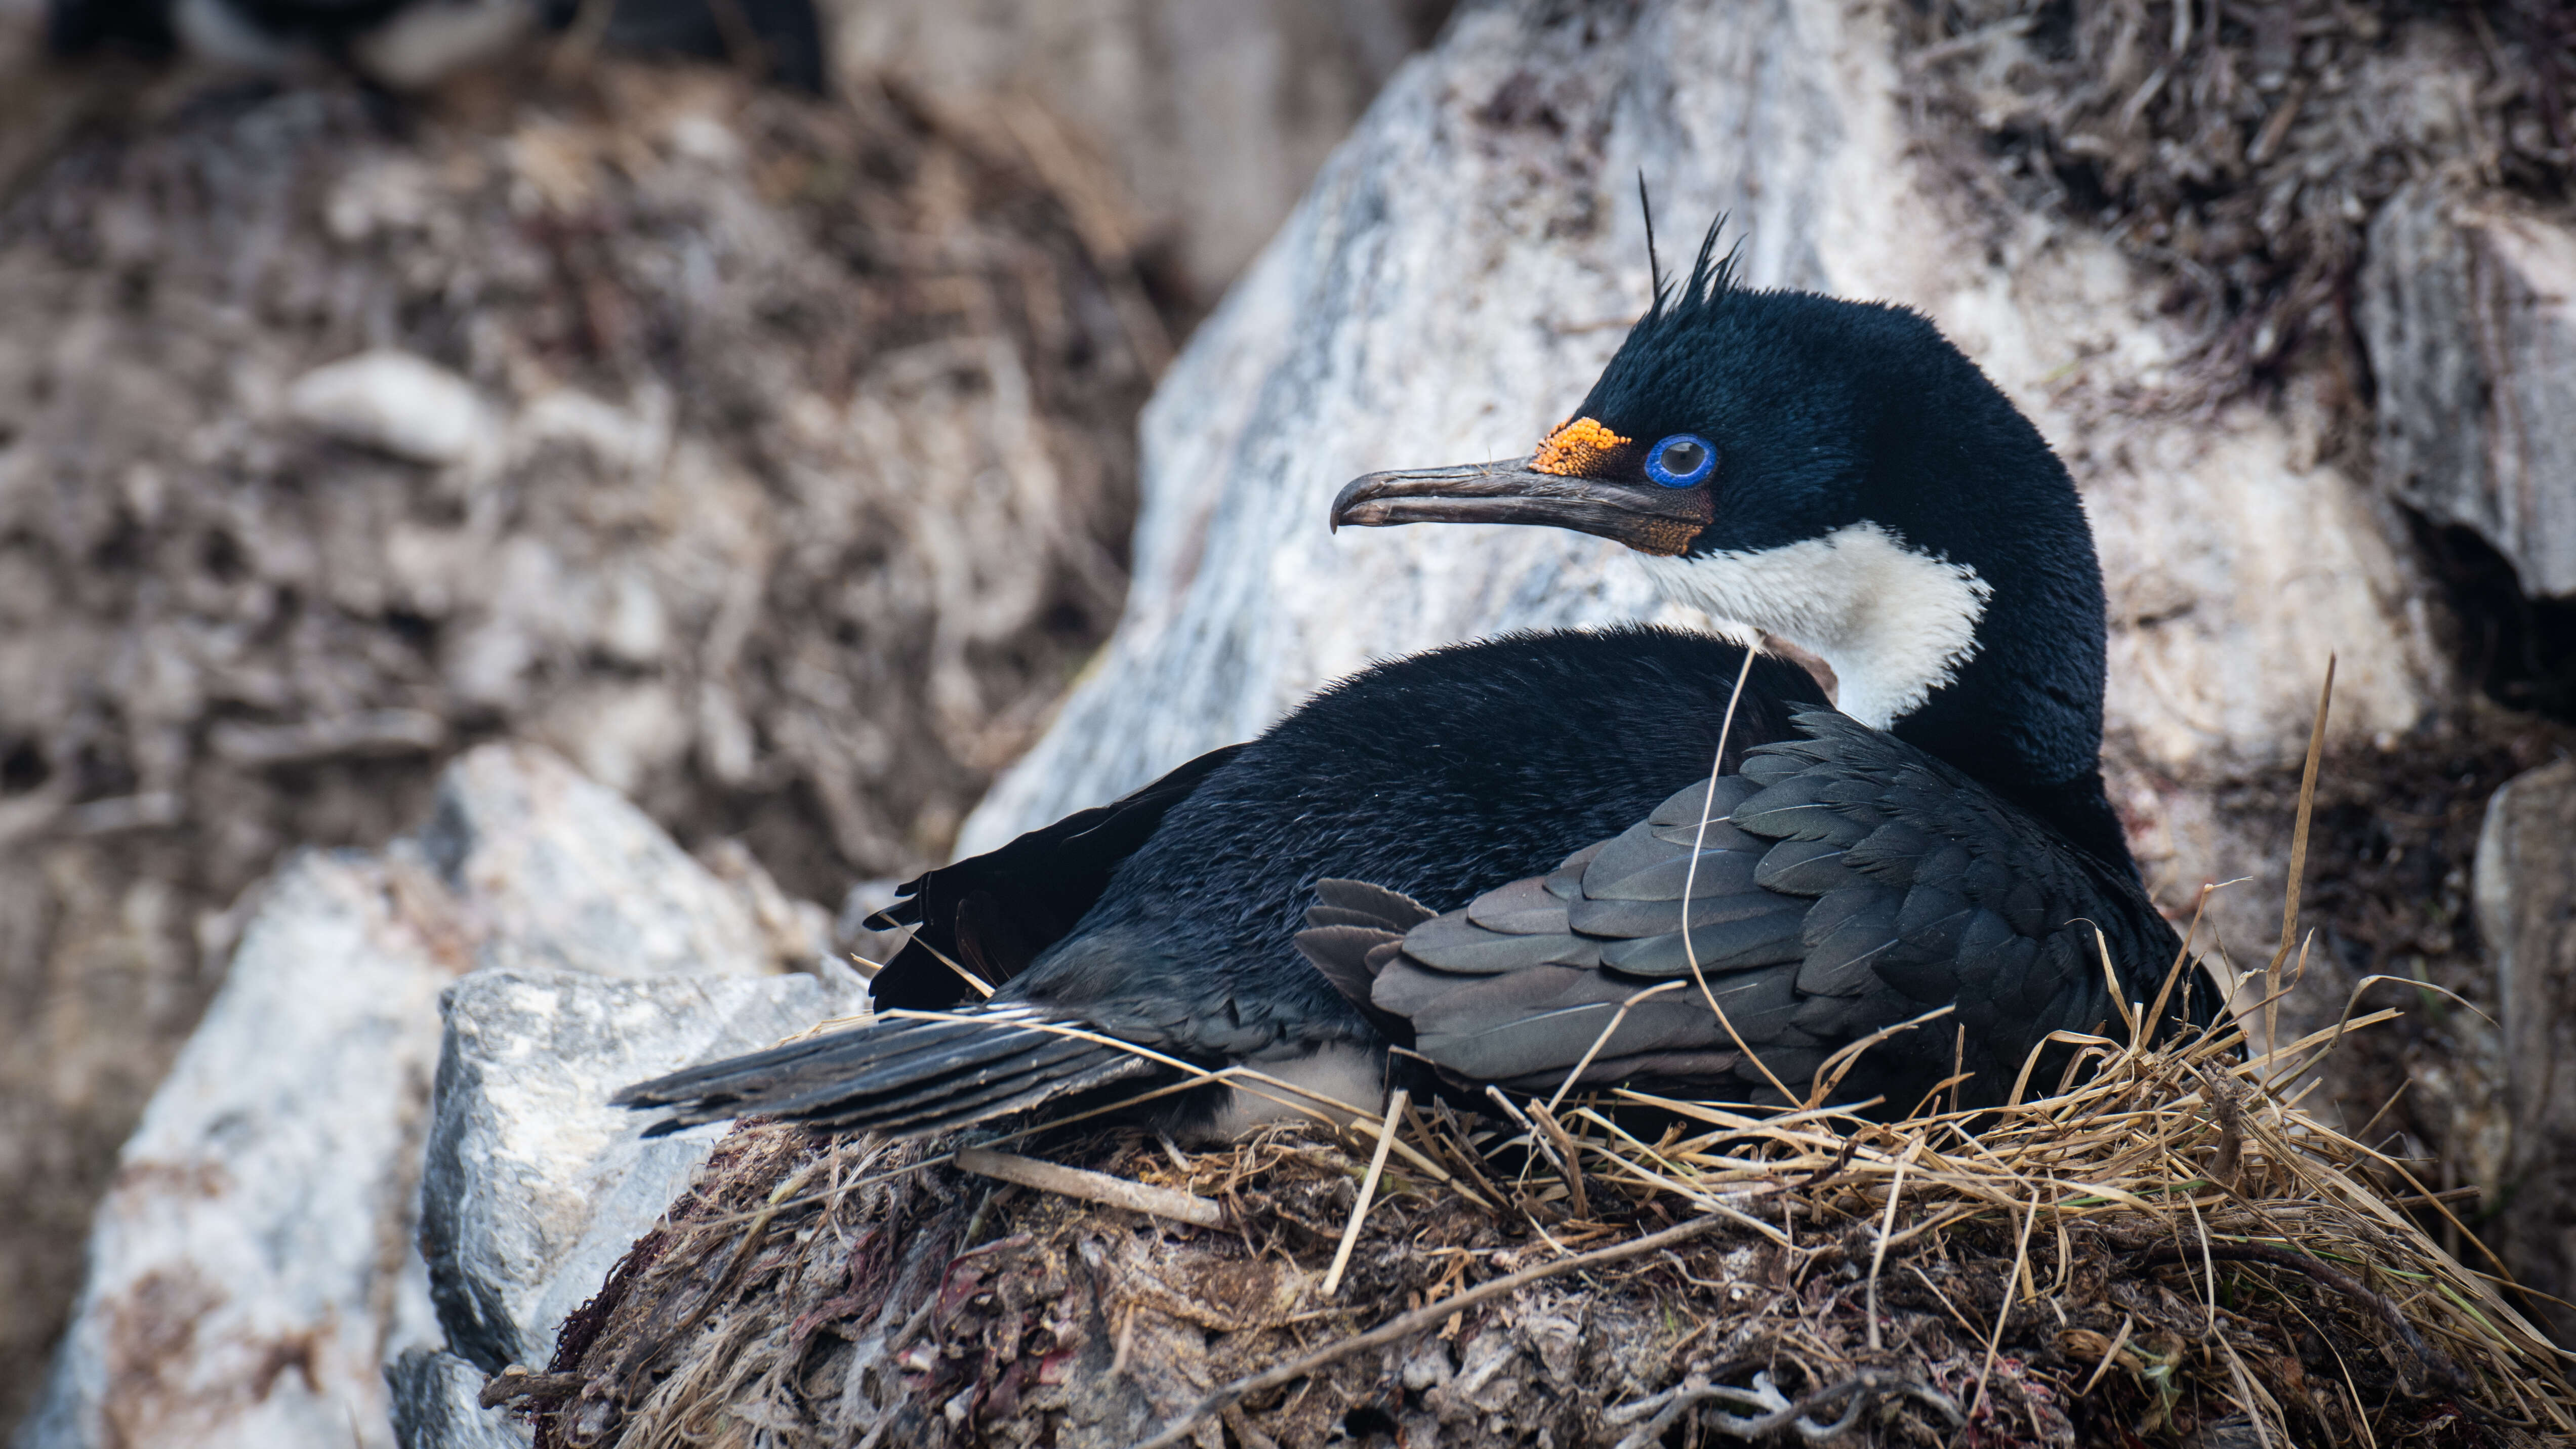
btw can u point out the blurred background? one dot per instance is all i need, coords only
(770, 454)
(742, 401)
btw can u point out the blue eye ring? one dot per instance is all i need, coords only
(1658, 470)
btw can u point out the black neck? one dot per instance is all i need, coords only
(2024, 714)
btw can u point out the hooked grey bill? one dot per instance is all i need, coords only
(1646, 518)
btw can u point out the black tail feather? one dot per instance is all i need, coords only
(1098, 1068)
(904, 1076)
(876, 1098)
(926, 1047)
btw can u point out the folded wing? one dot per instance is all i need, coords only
(1728, 944)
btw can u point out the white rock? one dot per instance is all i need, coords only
(396, 402)
(436, 1405)
(535, 1186)
(1472, 255)
(1210, 114)
(252, 1268)
(565, 874)
(244, 1269)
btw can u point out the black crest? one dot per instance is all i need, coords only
(1711, 280)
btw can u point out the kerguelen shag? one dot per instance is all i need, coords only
(1831, 473)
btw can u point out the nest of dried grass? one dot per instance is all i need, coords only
(2169, 1253)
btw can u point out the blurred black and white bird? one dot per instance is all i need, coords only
(1829, 472)
(409, 44)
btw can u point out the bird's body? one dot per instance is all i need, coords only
(1420, 775)
(1437, 775)
(1830, 472)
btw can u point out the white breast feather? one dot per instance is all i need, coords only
(1895, 624)
(1345, 1074)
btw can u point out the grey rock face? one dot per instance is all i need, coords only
(1472, 256)
(253, 1268)
(435, 1402)
(247, 1268)
(535, 1186)
(2468, 305)
(2525, 890)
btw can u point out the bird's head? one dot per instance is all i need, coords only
(1725, 423)
(1834, 473)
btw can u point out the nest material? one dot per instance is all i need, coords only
(2243, 147)
(2169, 1254)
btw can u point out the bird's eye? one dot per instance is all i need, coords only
(1680, 460)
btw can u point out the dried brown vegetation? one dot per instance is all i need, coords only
(2240, 146)
(2396, 833)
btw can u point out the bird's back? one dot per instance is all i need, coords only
(1438, 775)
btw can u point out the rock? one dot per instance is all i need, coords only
(1208, 116)
(435, 1402)
(570, 893)
(246, 1267)
(252, 1268)
(420, 45)
(535, 1186)
(2468, 306)
(2526, 915)
(1471, 257)
(395, 402)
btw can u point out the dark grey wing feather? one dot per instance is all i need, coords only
(1455, 943)
(1566, 881)
(1392, 910)
(1846, 883)
(1350, 957)
(1518, 909)
(1767, 938)
(1640, 918)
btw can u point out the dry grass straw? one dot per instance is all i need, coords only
(2187, 1156)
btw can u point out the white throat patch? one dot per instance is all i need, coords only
(1895, 624)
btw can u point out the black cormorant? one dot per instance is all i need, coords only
(1830, 472)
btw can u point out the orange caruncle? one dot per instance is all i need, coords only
(1577, 449)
